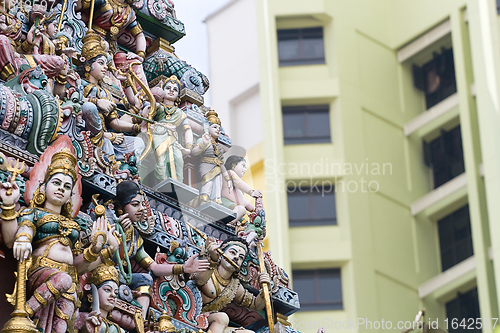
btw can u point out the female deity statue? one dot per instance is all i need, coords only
(234, 199)
(105, 278)
(211, 168)
(169, 151)
(46, 232)
(100, 108)
(129, 207)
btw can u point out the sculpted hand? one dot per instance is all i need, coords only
(206, 138)
(34, 35)
(125, 221)
(119, 138)
(99, 234)
(22, 248)
(106, 105)
(212, 249)
(192, 265)
(93, 321)
(9, 200)
(112, 239)
(264, 278)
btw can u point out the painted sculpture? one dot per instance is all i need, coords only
(88, 101)
(135, 273)
(45, 233)
(169, 151)
(219, 286)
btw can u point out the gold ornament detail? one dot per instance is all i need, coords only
(62, 162)
(93, 46)
(212, 117)
(103, 273)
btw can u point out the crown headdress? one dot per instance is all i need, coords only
(62, 162)
(234, 242)
(212, 117)
(103, 273)
(173, 78)
(93, 46)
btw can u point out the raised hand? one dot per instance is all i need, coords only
(192, 265)
(9, 200)
(125, 221)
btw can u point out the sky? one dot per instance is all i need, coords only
(193, 47)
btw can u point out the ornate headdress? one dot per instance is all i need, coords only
(62, 162)
(212, 117)
(234, 241)
(174, 79)
(103, 273)
(93, 46)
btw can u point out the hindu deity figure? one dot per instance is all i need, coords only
(99, 111)
(211, 167)
(106, 280)
(133, 258)
(169, 151)
(234, 199)
(46, 232)
(219, 286)
(16, 51)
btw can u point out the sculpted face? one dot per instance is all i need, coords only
(177, 256)
(108, 293)
(98, 68)
(58, 189)
(236, 253)
(214, 131)
(171, 91)
(135, 208)
(241, 168)
(52, 29)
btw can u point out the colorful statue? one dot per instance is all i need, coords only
(234, 198)
(105, 279)
(219, 286)
(116, 20)
(169, 151)
(100, 109)
(46, 233)
(211, 167)
(129, 207)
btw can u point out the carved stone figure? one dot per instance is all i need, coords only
(170, 119)
(219, 286)
(233, 198)
(129, 207)
(46, 233)
(211, 166)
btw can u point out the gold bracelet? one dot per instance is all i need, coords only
(97, 234)
(22, 240)
(61, 80)
(29, 224)
(136, 128)
(189, 146)
(8, 213)
(89, 255)
(113, 137)
(125, 84)
(227, 178)
(106, 257)
(178, 269)
(93, 100)
(20, 234)
(141, 54)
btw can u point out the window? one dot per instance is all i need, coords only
(318, 289)
(465, 306)
(445, 156)
(301, 46)
(455, 240)
(436, 78)
(311, 206)
(306, 124)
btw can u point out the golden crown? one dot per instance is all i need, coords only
(212, 117)
(173, 78)
(103, 273)
(62, 162)
(93, 46)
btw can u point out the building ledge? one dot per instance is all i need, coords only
(447, 277)
(419, 44)
(431, 114)
(439, 194)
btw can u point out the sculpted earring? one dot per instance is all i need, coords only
(39, 198)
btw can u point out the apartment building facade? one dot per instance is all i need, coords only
(379, 154)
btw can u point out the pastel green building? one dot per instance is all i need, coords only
(409, 94)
